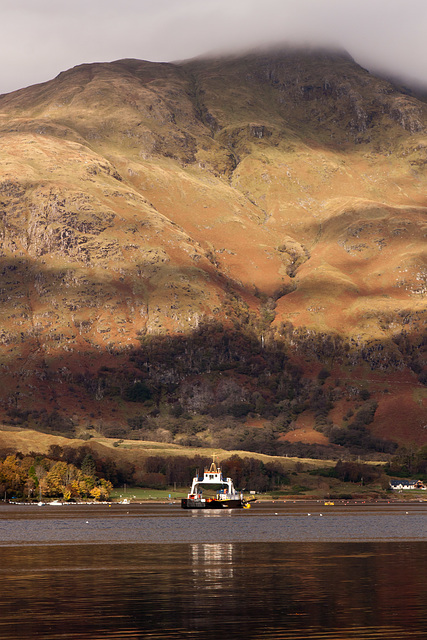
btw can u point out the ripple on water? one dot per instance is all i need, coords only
(167, 524)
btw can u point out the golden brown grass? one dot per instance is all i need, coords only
(27, 441)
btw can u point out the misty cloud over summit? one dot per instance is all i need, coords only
(40, 39)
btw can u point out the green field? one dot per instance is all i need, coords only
(139, 493)
(340, 490)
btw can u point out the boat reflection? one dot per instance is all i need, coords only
(211, 564)
(213, 513)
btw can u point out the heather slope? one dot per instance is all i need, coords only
(164, 221)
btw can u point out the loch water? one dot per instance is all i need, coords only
(277, 571)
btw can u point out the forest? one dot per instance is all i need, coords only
(34, 477)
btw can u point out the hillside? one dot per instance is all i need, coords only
(221, 251)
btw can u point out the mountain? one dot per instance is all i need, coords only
(216, 249)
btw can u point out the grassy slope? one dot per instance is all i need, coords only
(27, 440)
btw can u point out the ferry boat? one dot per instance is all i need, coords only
(222, 489)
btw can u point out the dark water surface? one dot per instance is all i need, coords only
(156, 571)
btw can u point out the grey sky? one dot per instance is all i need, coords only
(40, 38)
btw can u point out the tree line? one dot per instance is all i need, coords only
(76, 473)
(34, 477)
(91, 476)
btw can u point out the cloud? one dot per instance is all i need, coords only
(40, 38)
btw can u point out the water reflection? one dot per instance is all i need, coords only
(280, 591)
(212, 564)
(206, 588)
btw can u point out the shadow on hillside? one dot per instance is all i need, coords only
(236, 367)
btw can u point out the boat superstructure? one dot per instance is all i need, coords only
(222, 493)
